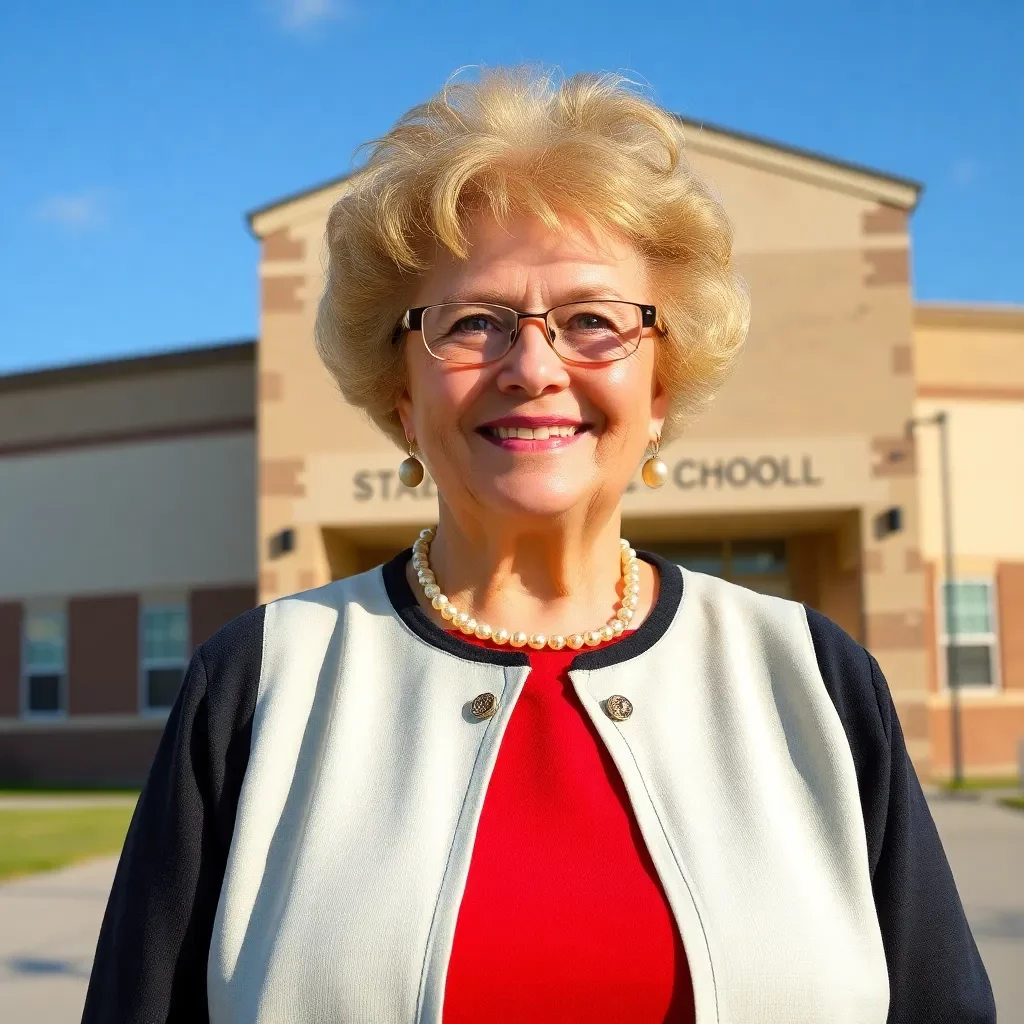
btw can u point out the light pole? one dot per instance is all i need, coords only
(941, 420)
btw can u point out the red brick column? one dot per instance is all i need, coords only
(103, 655)
(10, 658)
(213, 607)
(1010, 592)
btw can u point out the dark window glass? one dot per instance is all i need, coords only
(969, 665)
(708, 558)
(162, 685)
(165, 634)
(758, 558)
(967, 608)
(44, 693)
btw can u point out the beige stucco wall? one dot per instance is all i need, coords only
(129, 518)
(114, 402)
(970, 365)
(960, 349)
(986, 461)
(826, 382)
(132, 475)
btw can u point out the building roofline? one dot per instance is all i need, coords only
(292, 197)
(757, 140)
(224, 352)
(962, 314)
(806, 154)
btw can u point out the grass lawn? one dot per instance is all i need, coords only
(1016, 802)
(47, 789)
(1000, 782)
(40, 840)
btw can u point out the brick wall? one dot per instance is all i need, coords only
(213, 607)
(103, 655)
(10, 658)
(1010, 595)
(112, 757)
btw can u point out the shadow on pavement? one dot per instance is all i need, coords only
(34, 965)
(998, 924)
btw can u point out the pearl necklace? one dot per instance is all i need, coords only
(463, 621)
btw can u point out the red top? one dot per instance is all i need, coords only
(563, 918)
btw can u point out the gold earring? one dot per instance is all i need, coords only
(654, 471)
(410, 472)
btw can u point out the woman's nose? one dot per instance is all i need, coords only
(532, 365)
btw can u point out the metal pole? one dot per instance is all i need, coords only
(941, 420)
(949, 599)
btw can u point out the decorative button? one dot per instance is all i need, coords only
(484, 705)
(618, 707)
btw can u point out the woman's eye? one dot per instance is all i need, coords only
(590, 322)
(472, 324)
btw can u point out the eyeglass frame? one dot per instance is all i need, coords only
(412, 320)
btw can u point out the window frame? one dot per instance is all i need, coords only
(989, 639)
(30, 611)
(160, 602)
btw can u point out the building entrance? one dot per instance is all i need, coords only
(760, 565)
(810, 556)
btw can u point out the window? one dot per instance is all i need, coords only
(164, 653)
(45, 662)
(758, 558)
(706, 558)
(970, 622)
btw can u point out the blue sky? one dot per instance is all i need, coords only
(135, 136)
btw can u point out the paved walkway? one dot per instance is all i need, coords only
(49, 923)
(32, 802)
(985, 847)
(48, 929)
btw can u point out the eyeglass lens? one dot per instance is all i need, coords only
(592, 331)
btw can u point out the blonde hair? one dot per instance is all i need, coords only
(521, 141)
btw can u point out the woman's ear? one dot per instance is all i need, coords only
(660, 400)
(403, 406)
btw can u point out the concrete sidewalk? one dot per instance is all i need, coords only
(64, 802)
(49, 923)
(984, 844)
(48, 929)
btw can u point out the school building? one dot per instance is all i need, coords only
(146, 501)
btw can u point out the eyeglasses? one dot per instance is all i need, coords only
(594, 331)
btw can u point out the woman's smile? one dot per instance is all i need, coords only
(533, 433)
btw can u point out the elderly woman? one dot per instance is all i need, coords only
(523, 772)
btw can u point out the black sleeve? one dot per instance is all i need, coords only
(935, 971)
(151, 957)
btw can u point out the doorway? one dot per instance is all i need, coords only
(760, 565)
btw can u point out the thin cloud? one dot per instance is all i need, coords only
(76, 211)
(300, 16)
(965, 172)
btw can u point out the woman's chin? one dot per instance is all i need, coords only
(532, 495)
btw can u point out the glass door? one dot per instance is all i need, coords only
(760, 565)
